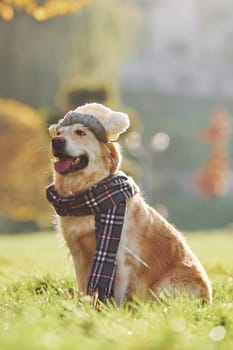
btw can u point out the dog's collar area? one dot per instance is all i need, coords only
(87, 120)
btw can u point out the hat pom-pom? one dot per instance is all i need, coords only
(115, 125)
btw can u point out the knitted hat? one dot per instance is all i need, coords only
(107, 125)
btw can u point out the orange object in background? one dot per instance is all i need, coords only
(213, 177)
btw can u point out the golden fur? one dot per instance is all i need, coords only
(152, 255)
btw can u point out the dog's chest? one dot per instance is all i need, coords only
(74, 228)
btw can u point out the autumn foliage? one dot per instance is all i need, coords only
(40, 10)
(24, 163)
(212, 178)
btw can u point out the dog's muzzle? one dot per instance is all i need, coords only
(65, 163)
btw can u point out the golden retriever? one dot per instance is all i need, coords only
(152, 255)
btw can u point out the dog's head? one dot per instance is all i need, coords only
(82, 141)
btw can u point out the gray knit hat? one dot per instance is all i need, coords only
(88, 120)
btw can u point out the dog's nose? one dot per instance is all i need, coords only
(58, 141)
(58, 145)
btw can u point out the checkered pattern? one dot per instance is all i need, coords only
(107, 201)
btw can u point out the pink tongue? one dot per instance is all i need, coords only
(61, 166)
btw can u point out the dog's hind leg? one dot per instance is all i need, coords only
(184, 279)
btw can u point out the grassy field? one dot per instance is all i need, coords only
(38, 308)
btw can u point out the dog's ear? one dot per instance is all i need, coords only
(53, 130)
(115, 123)
(115, 156)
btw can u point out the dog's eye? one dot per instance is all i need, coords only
(80, 133)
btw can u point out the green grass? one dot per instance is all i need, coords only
(38, 304)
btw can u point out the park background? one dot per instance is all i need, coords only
(167, 63)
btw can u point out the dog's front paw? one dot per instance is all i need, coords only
(91, 299)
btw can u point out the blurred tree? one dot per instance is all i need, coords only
(77, 94)
(24, 163)
(212, 178)
(85, 49)
(40, 10)
(110, 28)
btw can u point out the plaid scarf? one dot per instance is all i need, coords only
(107, 201)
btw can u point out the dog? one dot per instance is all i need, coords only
(152, 255)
